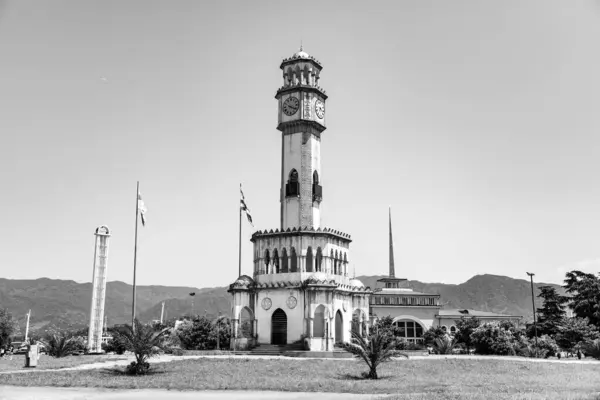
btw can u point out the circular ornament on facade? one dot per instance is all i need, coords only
(266, 303)
(291, 302)
(291, 106)
(320, 108)
(344, 306)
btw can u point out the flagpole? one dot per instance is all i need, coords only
(240, 243)
(137, 193)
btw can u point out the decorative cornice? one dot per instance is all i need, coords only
(301, 88)
(302, 231)
(301, 125)
(294, 59)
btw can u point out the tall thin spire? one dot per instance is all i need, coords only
(392, 271)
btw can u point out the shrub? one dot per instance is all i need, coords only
(374, 350)
(444, 345)
(144, 342)
(592, 348)
(466, 326)
(60, 345)
(115, 345)
(493, 338)
(201, 333)
(432, 334)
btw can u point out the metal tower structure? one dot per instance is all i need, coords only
(98, 290)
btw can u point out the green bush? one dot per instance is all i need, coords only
(444, 345)
(432, 334)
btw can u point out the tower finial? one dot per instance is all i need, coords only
(301, 45)
(392, 271)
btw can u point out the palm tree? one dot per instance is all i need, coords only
(376, 349)
(60, 345)
(144, 342)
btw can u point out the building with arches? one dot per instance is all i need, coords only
(415, 312)
(300, 289)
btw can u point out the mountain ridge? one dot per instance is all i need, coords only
(66, 303)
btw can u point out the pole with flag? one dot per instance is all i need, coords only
(140, 209)
(243, 207)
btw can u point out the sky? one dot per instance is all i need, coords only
(476, 121)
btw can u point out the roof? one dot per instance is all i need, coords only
(461, 312)
(405, 291)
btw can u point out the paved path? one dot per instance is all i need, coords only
(49, 393)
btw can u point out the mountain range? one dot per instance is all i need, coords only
(66, 304)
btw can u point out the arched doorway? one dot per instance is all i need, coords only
(339, 327)
(279, 327)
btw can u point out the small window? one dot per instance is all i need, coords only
(453, 330)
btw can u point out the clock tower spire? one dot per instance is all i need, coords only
(301, 120)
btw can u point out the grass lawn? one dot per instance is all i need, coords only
(47, 362)
(407, 379)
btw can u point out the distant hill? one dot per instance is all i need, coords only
(493, 293)
(66, 304)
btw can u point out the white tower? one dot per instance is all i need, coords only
(98, 290)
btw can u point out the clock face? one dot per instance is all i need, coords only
(291, 105)
(320, 108)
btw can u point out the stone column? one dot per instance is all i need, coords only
(310, 327)
(255, 328)
(235, 328)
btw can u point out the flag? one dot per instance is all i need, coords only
(142, 209)
(244, 207)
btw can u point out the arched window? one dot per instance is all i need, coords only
(275, 268)
(292, 187)
(444, 328)
(336, 263)
(319, 260)
(345, 271)
(309, 259)
(332, 261)
(452, 330)
(293, 260)
(284, 260)
(410, 330)
(317, 189)
(267, 261)
(319, 322)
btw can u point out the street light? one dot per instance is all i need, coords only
(192, 294)
(533, 306)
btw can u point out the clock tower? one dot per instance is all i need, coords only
(300, 293)
(301, 120)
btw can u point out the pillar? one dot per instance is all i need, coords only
(255, 328)
(310, 327)
(235, 328)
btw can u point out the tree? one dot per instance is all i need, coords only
(432, 334)
(494, 338)
(444, 344)
(386, 328)
(585, 291)
(8, 327)
(464, 329)
(573, 332)
(144, 342)
(374, 350)
(552, 312)
(201, 333)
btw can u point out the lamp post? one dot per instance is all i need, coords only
(218, 331)
(533, 306)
